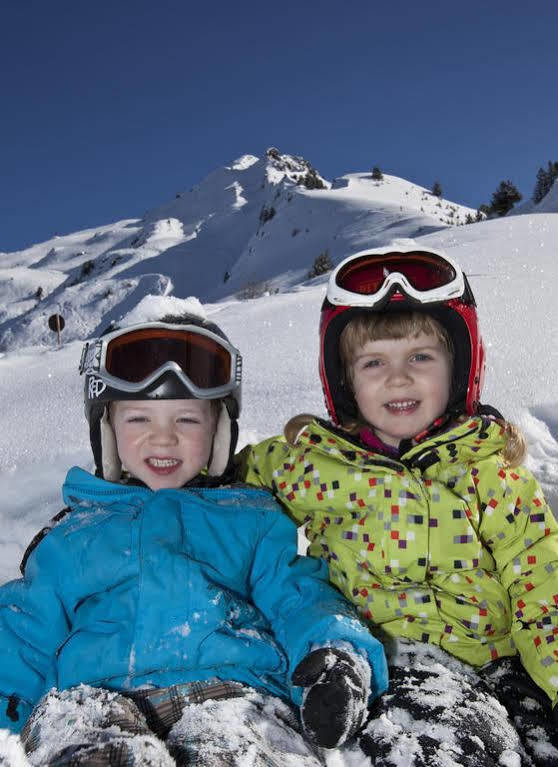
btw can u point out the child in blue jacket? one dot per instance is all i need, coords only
(164, 617)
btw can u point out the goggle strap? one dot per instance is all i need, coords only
(91, 356)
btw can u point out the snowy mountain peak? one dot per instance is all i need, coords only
(250, 228)
(296, 169)
(244, 161)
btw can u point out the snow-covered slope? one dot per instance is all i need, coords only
(513, 272)
(185, 247)
(254, 226)
(94, 276)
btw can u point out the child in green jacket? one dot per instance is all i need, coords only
(415, 496)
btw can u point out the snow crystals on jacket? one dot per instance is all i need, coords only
(134, 587)
(445, 545)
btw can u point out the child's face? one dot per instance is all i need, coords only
(401, 386)
(164, 443)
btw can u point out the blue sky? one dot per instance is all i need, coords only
(111, 108)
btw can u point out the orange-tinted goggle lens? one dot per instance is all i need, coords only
(134, 356)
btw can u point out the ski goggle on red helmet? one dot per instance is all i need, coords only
(401, 279)
(366, 278)
(132, 359)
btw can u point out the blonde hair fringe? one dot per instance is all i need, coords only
(381, 327)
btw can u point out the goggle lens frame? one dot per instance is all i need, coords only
(366, 278)
(135, 356)
(132, 359)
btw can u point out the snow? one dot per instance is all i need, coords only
(243, 162)
(152, 308)
(11, 751)
(183, 630)
(239, 726)
(213, 229)
(81, 712)
(511, 263)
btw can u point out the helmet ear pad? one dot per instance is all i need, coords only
(103, 443)
(224, 442)
(112, 465)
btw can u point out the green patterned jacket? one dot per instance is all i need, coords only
(445, 545)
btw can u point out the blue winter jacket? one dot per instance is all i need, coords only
(134, 587)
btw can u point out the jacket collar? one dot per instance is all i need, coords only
(475, 438)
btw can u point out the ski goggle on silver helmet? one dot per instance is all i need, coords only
(130, 360)
(186, 358)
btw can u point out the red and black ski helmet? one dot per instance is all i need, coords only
(394, 280)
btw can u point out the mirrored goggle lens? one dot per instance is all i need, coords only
(133, 357)
(424, 271)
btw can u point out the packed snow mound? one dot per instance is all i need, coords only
(152, 308)
(11, 750)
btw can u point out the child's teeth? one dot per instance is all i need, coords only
(402, 405)
(162, 462)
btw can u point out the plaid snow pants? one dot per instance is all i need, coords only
(203, 724)
(439, 712)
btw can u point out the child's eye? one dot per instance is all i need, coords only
(136, 419)
(372, 363)
(187, 419)
(422, 357)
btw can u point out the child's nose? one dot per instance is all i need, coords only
(399, 375)
(162, 434)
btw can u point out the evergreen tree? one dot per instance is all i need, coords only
(377, 174)
(545, 180)
(481, 214)
(437, 189)
(266, 213)
(322, 264)
(504, 198)
(311, 180)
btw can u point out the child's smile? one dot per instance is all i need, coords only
(403, 407)
(165, 443)
(163, 466)
(401, 385)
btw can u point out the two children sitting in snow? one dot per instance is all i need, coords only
(167, 605)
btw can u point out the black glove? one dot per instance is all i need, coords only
(334, 705)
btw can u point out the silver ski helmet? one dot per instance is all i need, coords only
(179, 357)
